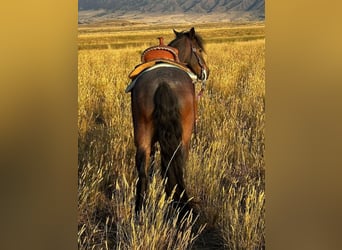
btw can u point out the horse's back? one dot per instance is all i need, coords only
(176, 78)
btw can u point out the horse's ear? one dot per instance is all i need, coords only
(176, 33)
(192, 33)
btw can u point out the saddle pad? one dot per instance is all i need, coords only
(141, 67)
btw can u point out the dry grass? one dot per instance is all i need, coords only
(225, 173)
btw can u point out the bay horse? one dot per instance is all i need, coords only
(164, 107)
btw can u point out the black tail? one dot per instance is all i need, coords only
(168, 127)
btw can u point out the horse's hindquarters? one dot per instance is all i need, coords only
(163, 109)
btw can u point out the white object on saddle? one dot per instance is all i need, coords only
(159, 65)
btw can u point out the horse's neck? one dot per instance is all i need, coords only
(182, 46)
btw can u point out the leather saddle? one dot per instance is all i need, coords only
(158, 54)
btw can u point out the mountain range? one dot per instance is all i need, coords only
(173, 6)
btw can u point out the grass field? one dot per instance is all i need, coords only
(225, 173)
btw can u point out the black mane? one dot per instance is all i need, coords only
(198, 39)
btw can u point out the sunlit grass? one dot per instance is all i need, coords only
(135, 36)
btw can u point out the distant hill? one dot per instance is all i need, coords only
(174, 6)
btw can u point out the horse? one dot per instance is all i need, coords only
(164, 107)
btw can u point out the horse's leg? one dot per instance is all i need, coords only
(188, 116)
(143, 145)
(152, 160)
(188, 124)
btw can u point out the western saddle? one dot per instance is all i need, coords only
(158, 54)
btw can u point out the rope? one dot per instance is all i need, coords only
(174, 153)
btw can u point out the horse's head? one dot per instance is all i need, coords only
(190, 47)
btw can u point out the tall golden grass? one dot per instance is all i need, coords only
(225, 173)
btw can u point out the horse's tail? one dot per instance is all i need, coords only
(168, 130)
